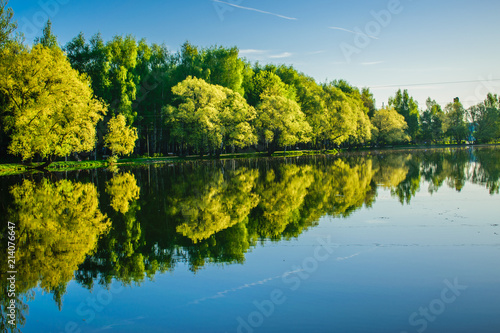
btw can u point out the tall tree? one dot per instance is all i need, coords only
(269, 84)
(356, 102)
(78, 53)
(120, 138)
(7, 25)
(189, 63)
(48, 39)
(52, 111)
(485, 119)
(281, 123)
(223, 67)
(408, 108)
(455, 121)
(431, 122)
(122, 88)
(368, 101)
(93, 59)
(154, 73)
(208, 117)
(236, 117)
(339, 121)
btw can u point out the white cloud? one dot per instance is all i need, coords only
(316, 52)
(371, 63)
(281, 55)
(252, 51)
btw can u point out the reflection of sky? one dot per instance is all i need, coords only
(392, 259)
(427, 42)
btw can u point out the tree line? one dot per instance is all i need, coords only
(125, 95)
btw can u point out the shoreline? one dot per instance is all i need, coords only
(7, 169)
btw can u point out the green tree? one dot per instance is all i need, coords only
(121, 88)
(485, 119)
(266, 83)
(154, 72)
(195, 121)
(7, 25)
(223, 67)
(368, 101)
(390, 127)
(312, 100)
(93, 59)
(210, 116)
(51, 110)
(455, 121)
(48, 39)
(79, 54)
(120, 138)
(281, 123)
(408, 108)
(431, 122)
(310, 97)
(190, 63)
(339, 120)
(236, 117)
(354, 109)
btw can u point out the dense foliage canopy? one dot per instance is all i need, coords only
(196, 101)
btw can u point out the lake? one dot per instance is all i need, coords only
(393, 241)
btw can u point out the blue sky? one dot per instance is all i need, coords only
(381, 44)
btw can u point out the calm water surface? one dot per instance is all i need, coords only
(378, 242)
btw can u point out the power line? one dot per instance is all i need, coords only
(432, 83)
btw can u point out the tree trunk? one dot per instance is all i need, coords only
(44, 166)
(271, 148)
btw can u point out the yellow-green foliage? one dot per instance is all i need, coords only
(210, 116)
(123, 190)
(51, 108)
(390, 126)
(339, 117)
(59, 225)
(281, 121)
(120, 138)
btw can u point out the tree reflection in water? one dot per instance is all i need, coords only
(203, 213)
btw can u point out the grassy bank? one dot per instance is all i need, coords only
(17, 168)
